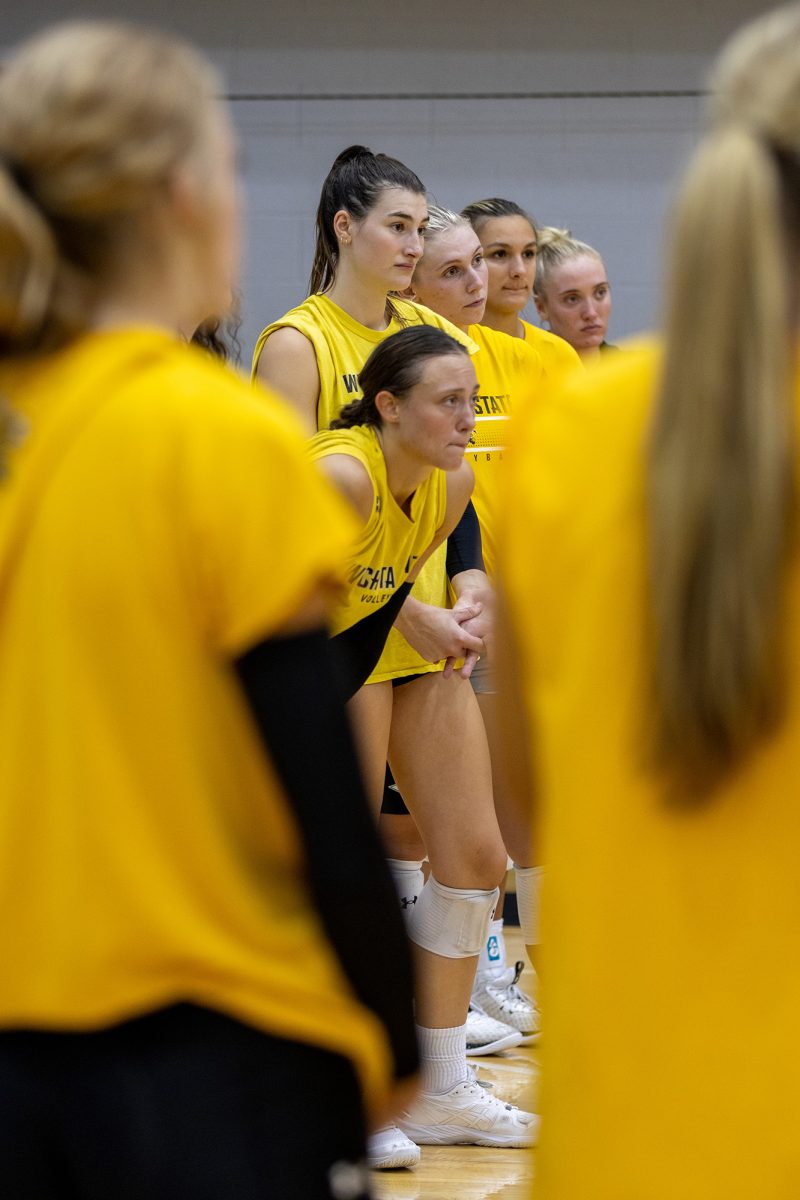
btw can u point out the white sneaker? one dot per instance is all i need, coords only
(389, 1147)
(468, 1115)
(499, 996)
(485, 1035)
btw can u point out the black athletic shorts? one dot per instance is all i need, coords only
(392, 803)
(182, 1104)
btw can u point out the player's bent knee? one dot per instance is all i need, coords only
(453, 922)
(479, 861)
(487, 864)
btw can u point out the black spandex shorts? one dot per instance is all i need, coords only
(184, 1102)
(392, 803)
(410, 678)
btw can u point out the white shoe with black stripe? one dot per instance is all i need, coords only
(485, 1035)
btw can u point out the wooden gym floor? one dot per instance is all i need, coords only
(476, 1172)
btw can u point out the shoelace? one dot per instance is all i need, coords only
(512, 996)
(472, 1076)
(486, 1101)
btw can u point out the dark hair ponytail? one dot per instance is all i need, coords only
(396, 366)
(354, 182)
(220, 336)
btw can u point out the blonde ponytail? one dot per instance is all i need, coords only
(554, 248)
(93, 118)
(42, 298)
(27, 262)
(721, 459)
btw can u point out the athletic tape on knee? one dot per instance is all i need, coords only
(529, 888)
(409, 881)
(453, 922)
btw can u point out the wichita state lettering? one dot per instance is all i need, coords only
(364, 576)
(392, 540)
(488, 440)
(510, 376)
(493, 406)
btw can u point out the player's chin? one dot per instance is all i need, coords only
(452, 457)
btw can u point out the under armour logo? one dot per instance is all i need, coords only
(407, 901)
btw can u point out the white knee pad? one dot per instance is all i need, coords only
(453, 922)
(529, 887)
(409, 881)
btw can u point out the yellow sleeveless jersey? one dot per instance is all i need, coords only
(391, 541)
(671, 979)
(158, 517)
(556, 354)
(509, 374)
(342, 345)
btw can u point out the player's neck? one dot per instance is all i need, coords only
(503, 322)
(363, 301)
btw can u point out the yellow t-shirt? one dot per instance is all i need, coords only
(509, 373)
(342, 345)
(391, 541)
(159, 518)
(556, 354)
(671, 979)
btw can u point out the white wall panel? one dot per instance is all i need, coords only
(603, 165)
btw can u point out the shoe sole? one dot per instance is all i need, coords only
(530, 1039)
(458, 1135)
(514, 1038)
(392, 1162)
(506, 1020)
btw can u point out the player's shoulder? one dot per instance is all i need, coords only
(504, 345)
(411, 312)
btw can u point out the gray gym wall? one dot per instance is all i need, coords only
(591, 108)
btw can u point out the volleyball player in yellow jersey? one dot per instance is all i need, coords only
(452, 280)
(508, 237)
(388, 453)
(651, 526)
(572, 292)
(370, 221)
(181, 973)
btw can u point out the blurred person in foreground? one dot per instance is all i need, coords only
(181, 987)
(651, 574)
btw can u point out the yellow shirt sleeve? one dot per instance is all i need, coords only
(256, 572)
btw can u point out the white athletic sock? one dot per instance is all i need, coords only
(443, 1056)
(529, 886)
(492, 958)
(409, 881)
